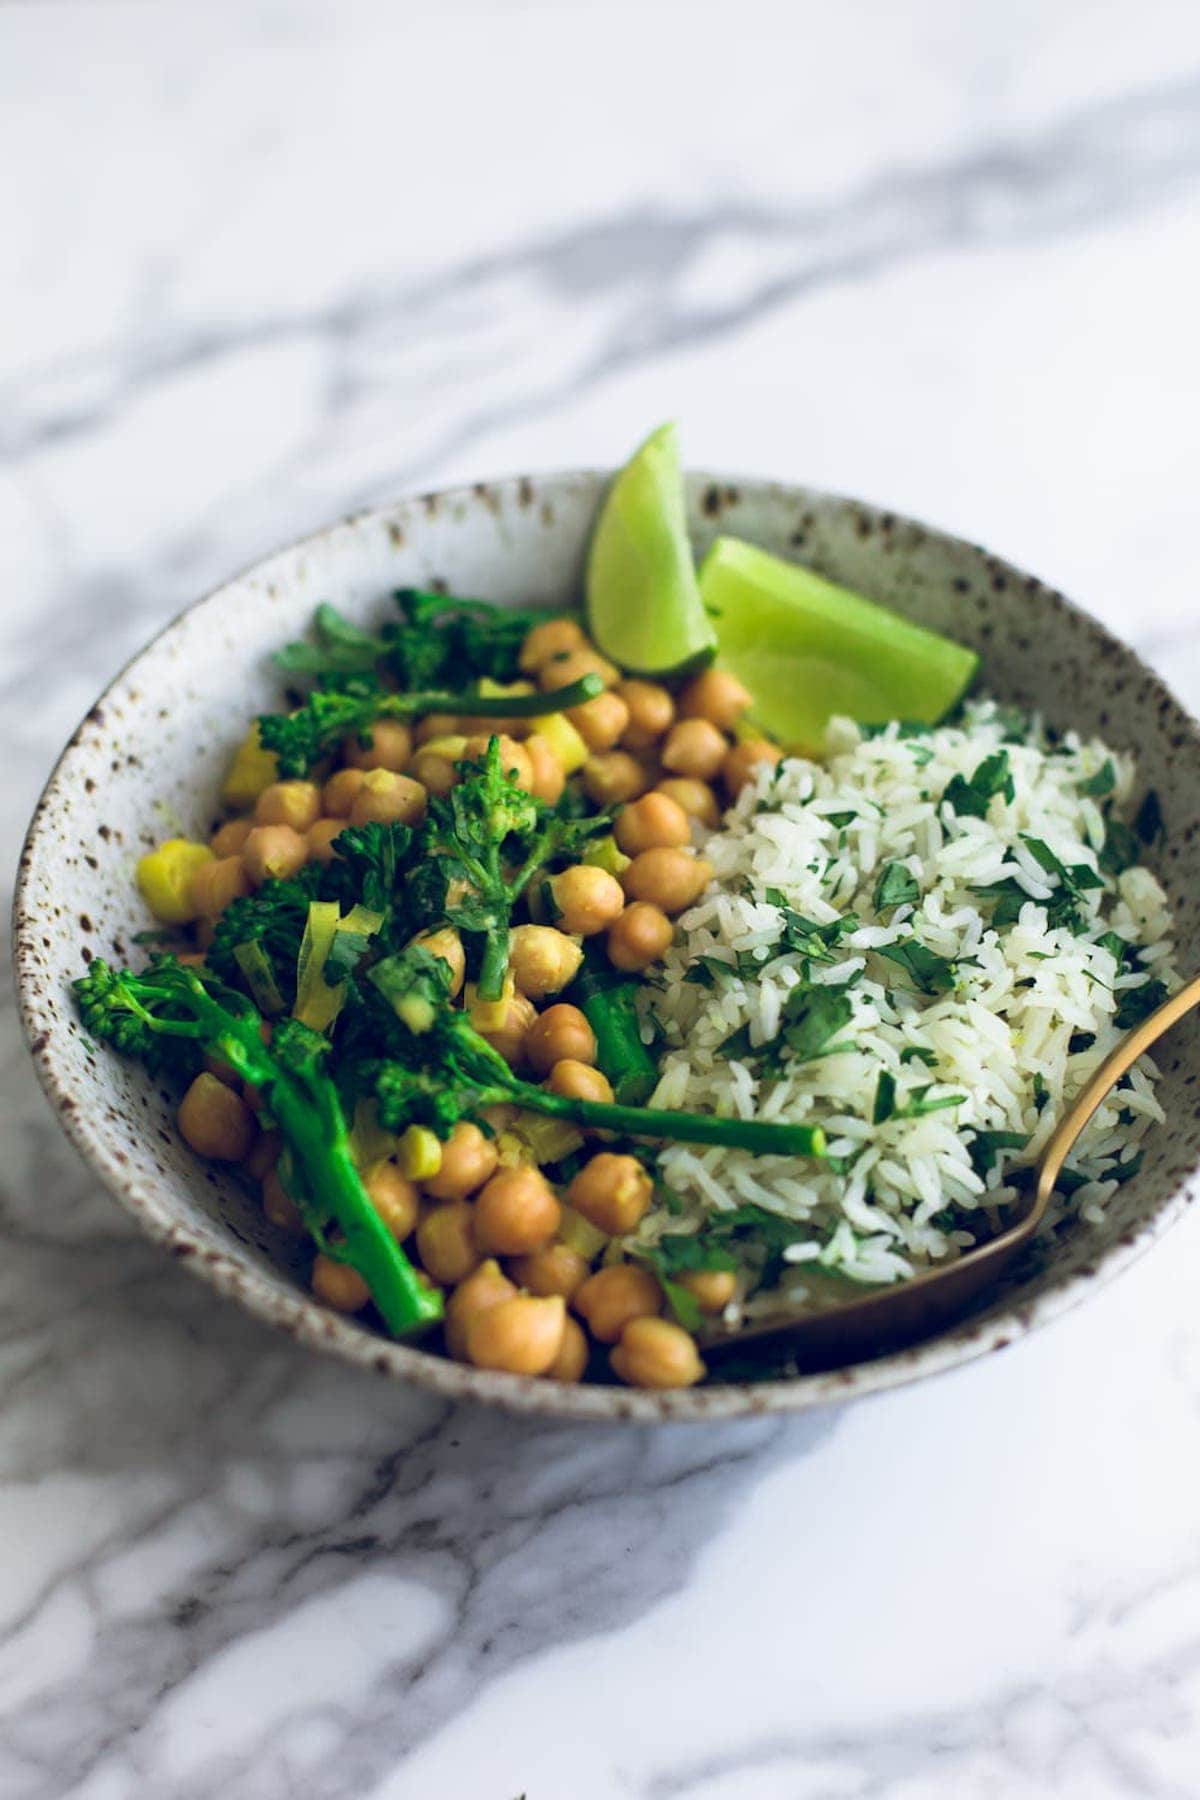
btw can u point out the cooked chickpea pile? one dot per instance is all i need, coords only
(536, 1278)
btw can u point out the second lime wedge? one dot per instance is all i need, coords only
(808, 649)
(643, 600)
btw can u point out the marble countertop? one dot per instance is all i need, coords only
(263, 263)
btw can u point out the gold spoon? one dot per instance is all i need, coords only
(887, 1318)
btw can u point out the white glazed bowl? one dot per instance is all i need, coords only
(155, 745)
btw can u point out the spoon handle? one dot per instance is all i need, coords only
(1134, 1044)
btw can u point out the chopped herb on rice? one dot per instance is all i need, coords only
(938, 1044)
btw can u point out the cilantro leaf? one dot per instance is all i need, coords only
(1115, 945)
(813, 1015)
(930, 973)
(1102, 782)
(1120, 850)
(896, 886)
(1009, 896)
(915, 1107)
(986, 1149)
(971, 799)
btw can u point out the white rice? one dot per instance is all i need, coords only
(1001, 1039)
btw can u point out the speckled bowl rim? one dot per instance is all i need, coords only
(318, 1329)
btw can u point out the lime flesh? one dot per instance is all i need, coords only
(643, 599)
(808, 649)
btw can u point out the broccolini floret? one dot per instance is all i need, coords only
(437, 1069)
(348, 706)
(166, 1003)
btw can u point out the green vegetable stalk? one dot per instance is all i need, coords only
(607, 1001)
(300, 739)
(134, 1012)
(443, 1071)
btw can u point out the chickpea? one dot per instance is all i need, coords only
(279, 1207)
(572, 1358)
(542, 960)
(651, 713)
(560, 1032)
(509, 1036)
(215, 884)
(229, 839)
(743, 762)
(388, 799)
(717, 696)
(390, 747)
(549, 776)
(522, 1336)
(600, 722)
(711, 1289)
(447, 944)
(274, 853)
(576, 1081)
(294, 803)
(514, 758)
(341, 791)
(434, 770)
(570, 666)
(321, 838)
(694, 747)
(264, 1154)
(587, 900)
(614, 777)
(641, 935)
(553, 637)
(468, 1160)
(517, 1211)
(652, 823)
(435, 725)
(338, 1286)
(485, 1287)
(214, 1121)
(612, 1192)
(610, 1298)
(670, 879)
(394, 1198)
(446, 1243)
(555, 1269)
(696, 798)
(654, 1353)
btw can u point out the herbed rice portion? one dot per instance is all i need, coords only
(926, 943)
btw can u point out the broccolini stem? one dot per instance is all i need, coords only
(761, 1137)
(494, 965)
(314, 1129)
(495, 706)
(607, 1002)
(305, 1106)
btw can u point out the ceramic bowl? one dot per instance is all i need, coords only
(153, 749)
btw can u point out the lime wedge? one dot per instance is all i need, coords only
(643, 601)
(808, 649)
